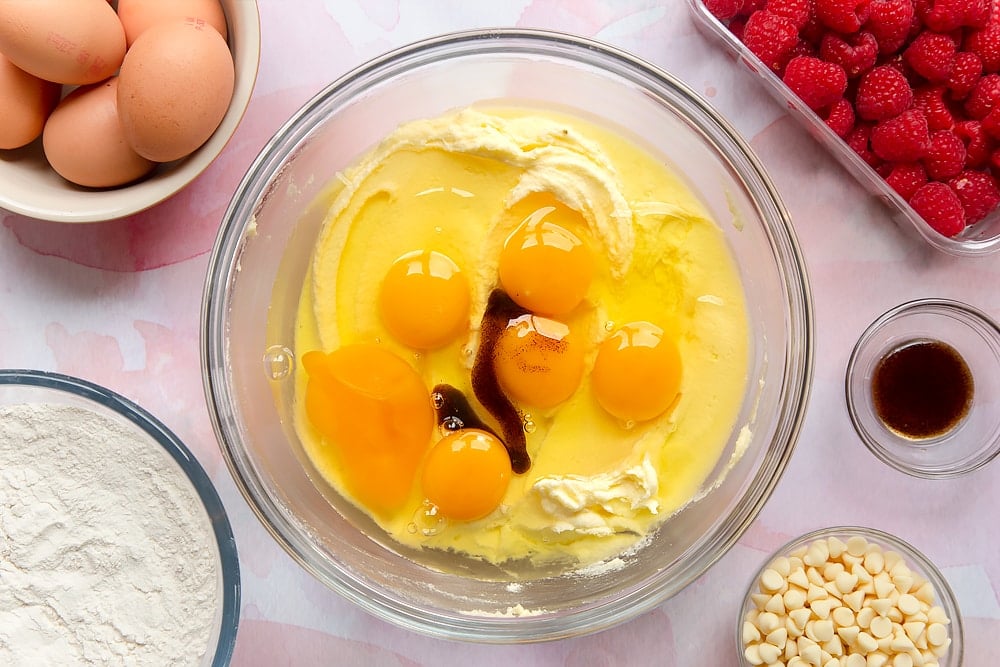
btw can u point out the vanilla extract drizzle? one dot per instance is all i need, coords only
(500, 309)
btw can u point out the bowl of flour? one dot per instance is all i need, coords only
(114, 545)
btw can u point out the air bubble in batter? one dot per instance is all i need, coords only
(279, 362)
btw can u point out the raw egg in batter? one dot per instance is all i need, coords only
(544, 266)
(537, 361)
(375, 416)
(466, 474)
(424, 299)
(637, 373)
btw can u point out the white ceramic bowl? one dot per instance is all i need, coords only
(32, 188)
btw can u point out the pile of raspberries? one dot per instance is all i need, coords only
(913, 86)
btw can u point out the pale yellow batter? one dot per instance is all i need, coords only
(596, 485)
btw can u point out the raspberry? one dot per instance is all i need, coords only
(771, 38)
(723, 9)
(889, 21)
(978, 193)
(906, 178)
(932, 56)
(796, 11)
(945, 15)
(736, 26)
(840, 117)
(978, 146)
(818, 83)
(845, 16)
(859, 139)
(751, 6)
(801, 48)
(940, 207)
(855, 53)
(814, 29)
(930, 100)
(883, 93)
(946, 155)
(966, 72)
(904, 138)
(983, 97)
(985, 43)
(991, 124)
(994, 161)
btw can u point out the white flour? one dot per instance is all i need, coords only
(106, 554)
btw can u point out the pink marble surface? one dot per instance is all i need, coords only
(118, 303)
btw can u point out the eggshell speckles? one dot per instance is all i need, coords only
(76, 42)
(174, 88)
(84, 142)
(139, 15)
(25, 103)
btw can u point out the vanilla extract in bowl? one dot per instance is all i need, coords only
(922, 389)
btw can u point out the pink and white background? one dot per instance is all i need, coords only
(118, 303)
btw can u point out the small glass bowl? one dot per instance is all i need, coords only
(919, 564)
(974, 440)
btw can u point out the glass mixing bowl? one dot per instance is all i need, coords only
(260, 258)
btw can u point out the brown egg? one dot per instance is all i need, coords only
(75, 42)
(84, 143)
(138, 15)
(174, 88)
(25, 103)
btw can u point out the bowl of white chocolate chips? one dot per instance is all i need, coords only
(849, 597)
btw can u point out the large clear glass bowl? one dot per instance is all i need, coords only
(260, 258)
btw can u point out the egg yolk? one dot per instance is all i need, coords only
(424, 299)
(637, 372)
(466, 474)
(375, 413)
(545, 267)
(537, 361)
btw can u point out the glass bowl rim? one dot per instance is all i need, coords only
(229, 567)
(945, 595)
(254, 188)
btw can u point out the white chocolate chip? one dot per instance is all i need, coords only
(823, 607)
(823, 629)
(855, 600)
(752, 654)
(855, 660)
(857, 545)
(902, 660)
(771, 581)
(800, 617)
(817, 554)
(798, 578)
(876, 660)
(914, 630)
(769, 653)
(865, 616)
(937, 615)
(835, 547)
(811, 653)
(846, 582)
(883, 585)
(908, 604)
(776, 605)
(777, 637)
(842, 616)
(768, 622)
(794, 598)
(866, 642)
(937, 634)
(782, 566)
(925, 593)
(874, 561)
(880, 627)
(750, 633)
(880, 606)
(849, 634)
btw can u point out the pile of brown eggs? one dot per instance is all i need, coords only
(147, 81)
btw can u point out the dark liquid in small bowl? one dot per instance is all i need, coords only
(922, 389)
